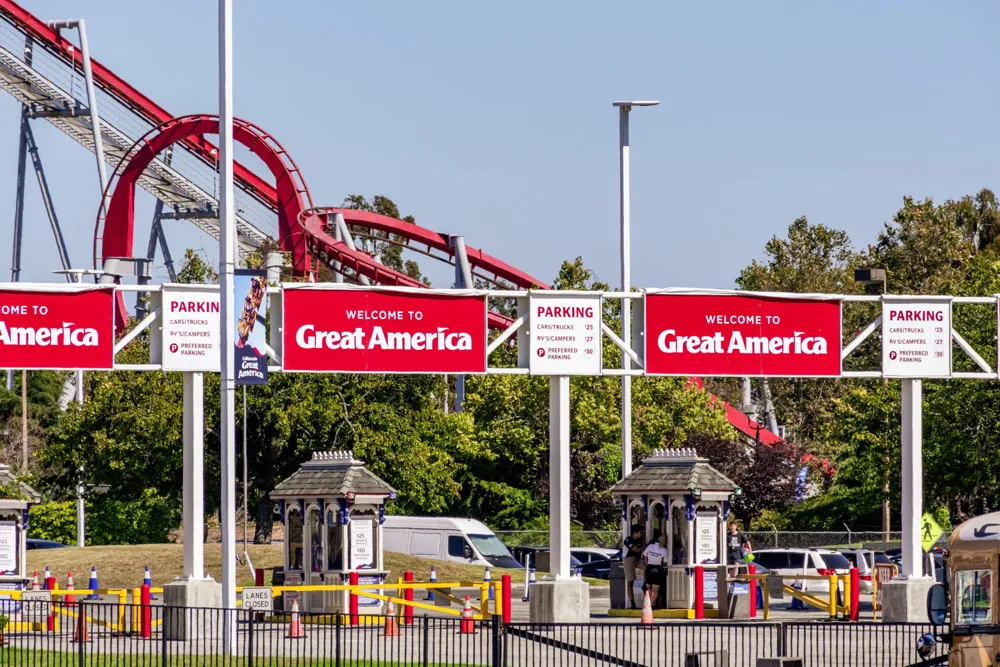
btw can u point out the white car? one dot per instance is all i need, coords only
(864, 560)
(810, 562)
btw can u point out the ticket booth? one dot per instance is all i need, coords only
(333, 509)
(14, 530)
(677, 492)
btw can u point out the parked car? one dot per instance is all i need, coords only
(864, 560)
(464, 541)
(596, 562)
(807, 562)
(526, 556)
(44, 544)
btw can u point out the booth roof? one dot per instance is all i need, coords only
(673, 471)
(332, 475)
(7, 478)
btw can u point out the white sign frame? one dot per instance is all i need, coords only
(706, 548)
(579, 365)
(9, 556)
(890, 365)
(258, 598)
(163, 335)
(362, 551)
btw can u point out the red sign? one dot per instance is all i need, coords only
(62, 329)
(696, 334)
(382, 331)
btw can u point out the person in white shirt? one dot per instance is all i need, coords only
(655, 556)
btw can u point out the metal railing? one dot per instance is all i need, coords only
(189, 636)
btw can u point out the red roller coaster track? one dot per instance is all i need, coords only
(302, 231)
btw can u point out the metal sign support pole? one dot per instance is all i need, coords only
(194, 476)
(913, 479)
(559, 482)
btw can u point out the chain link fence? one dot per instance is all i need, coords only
(760, 539)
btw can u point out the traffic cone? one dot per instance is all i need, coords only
(70, 598)
(48, 582)
(430, 591)
(647, 611)
(295, 630)
(34, 581)
(147, 578)
(488, 580)
(468, 625)
(93, 584)
(81, 634)
(391, 624)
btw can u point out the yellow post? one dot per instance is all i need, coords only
(484, 599)
(847, 596)
(767, 597)
(498, 604)
(136, 595)
(832, 607)
(122, 600)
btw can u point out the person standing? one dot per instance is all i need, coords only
(736, 545)
(633, 552)
(655, 556)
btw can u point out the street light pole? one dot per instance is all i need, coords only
(626, 269)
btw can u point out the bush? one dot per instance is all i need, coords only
(144, 521)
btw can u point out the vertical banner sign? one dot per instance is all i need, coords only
(916, 338)
(737, 335)
(8, 547)
(66, 328)
(362, 544)
(250, 357)
(191, 329)
(706, 530)
(565, 334)
(373, 330)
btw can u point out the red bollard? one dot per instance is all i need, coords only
(855, 593)
(408, 596)
(258, 577)
(50, 585)
(699, 592)
(752, 569)
(146, 615)
(354, 600)
(505, 596)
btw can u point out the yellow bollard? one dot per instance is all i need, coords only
(832, 607)
(767, 597)
(847, 596)
(498, 604)
(484, 600)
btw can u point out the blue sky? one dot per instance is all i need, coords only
(495, 120)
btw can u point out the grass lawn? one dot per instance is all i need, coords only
(122, 566)
(16, 657)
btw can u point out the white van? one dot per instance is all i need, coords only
(465, 541)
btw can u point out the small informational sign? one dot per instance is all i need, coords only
(250, 354)
(362, 544)
(35, 605)
(711, 586)
(739, 588)
(706, 528)
(8, 547)
(930, 531)
(916, 339)
(258, 599)
(775, 586)
(191, 325)
(293, 578)
(370, 580)
(565, 335)
(8, 605)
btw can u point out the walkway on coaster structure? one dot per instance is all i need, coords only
(43, 71)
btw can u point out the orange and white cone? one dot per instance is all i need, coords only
(70, 598)
(81, 634)
(647, 611)
(295, 630)
(34, 581)
(468, 625)
(391, 624)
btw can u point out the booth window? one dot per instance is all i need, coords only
(293, 526)
(315, 539)
(974, 590)
(334, 542)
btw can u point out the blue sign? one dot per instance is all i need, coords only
(250, 356)
(739, 588)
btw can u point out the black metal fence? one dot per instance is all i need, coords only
(113, 635)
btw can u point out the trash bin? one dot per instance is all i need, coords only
(616, 577)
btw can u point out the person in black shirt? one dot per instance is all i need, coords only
(735, 543)
(633, 555)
